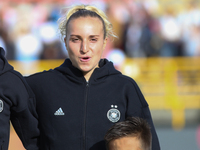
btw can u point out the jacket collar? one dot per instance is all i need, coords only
(105, 69)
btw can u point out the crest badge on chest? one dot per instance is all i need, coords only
(113, 114)
(1, 105)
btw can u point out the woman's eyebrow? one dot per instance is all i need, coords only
(91, 36)
(75, 35)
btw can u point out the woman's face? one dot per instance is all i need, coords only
(85, 43)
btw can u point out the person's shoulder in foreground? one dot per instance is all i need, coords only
(131, 134)
(16, 105)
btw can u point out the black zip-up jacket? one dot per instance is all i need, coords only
(75, 114)
(17, 105)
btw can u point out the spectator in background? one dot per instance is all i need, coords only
(192, 42)
(5, 40)
(28, 44)
(141, 34)
(131, 134)
(171, 34)
(132, 44)
(9, 17)
(190, 26)
(119, 16)
(149, 34)
(52, 46)
(133, 31)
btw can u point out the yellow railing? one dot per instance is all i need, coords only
(167, 83)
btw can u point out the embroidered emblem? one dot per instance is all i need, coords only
(113, 114)
(59, 112)
(1, 105)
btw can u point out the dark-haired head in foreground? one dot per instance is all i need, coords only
(132, 134)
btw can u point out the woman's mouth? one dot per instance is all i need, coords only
(85, 59)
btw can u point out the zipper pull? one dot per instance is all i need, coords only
(87, 83)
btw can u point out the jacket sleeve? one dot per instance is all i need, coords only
(138, 107)
(24, 117)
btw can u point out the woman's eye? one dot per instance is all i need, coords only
(75, 40)
(93, 40)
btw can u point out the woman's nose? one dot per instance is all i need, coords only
(84, 47)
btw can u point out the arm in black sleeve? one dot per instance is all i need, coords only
(24, 117)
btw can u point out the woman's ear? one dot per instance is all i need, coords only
(104, 43)
(65, 40)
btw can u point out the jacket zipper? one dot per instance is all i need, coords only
(85, 112)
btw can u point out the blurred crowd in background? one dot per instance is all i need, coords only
(145, 28)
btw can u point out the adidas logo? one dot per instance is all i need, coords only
(59, 112)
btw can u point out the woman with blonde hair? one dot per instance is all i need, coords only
(80, 100)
